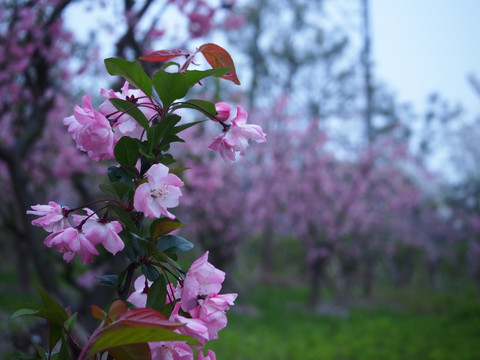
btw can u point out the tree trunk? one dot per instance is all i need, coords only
(365, 60)
(368, 277)
(317, 280)
(30, 247)
(267, 252)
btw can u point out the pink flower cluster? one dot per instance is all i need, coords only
(198, 305)
(236, 133)
(97, 132)
(81, 238)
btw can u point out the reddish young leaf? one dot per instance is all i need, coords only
(117, 308)
(218, 57)
(145, 317)
(139, 351)
(98, 313)
(163, 55)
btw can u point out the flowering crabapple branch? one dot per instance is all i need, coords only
(170, 310)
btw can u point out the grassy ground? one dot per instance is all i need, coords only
(276, 325)
(408, 326)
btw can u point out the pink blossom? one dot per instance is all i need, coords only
(71, 241)
(125, 125)
(225, 150)
(52, 216)
(101, 232)
(139, 296)
(199, 297)
(211, 310)
(210, 355)
(235, 138)
(162, 191)
(233, 22)
(193, 327)
(223, 111)
(89, 278)
(91, 131)
(170, 350)
(202, 279)
(200, 22)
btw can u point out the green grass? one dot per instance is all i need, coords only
(277, 325)
(435, 327)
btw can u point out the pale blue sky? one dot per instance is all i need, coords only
(418, 46)
(421, 46)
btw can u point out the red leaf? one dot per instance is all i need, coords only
(117, 308)
(139, 351)
(163, 55)
(145, 317)
(98, 313)
(218, 57)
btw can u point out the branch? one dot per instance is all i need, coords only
(475, 83)
(144, 9)
(6, 155)
(57, 12)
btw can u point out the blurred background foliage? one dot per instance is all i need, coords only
(341, 241)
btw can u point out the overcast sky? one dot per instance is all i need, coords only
(421, 46)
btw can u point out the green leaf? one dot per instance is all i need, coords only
(132, 110)
(162, 134)
(179, 170)
(70, 322)
(194, 76)
(167, 159)
(134, 335)
(145, 246)
(108, 189)
(24, 309)
(171, 63)
(205, 107)
(126, 151)
(173, 244)
(130, 254)
(163, 226)
(166, 142)
(43, 354)
(55, 315)
(116, 189)
(41, 312)
(134, 243)
(158, 131)
(63, 353)
(169, 86)
(131, 71)
(108, 280)
(182, 127)
(147, 158)
(125, 219)
(150, 272)
(19, 356)
(116, 174)
(50, 303)
(55, 333)
(157, 294)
